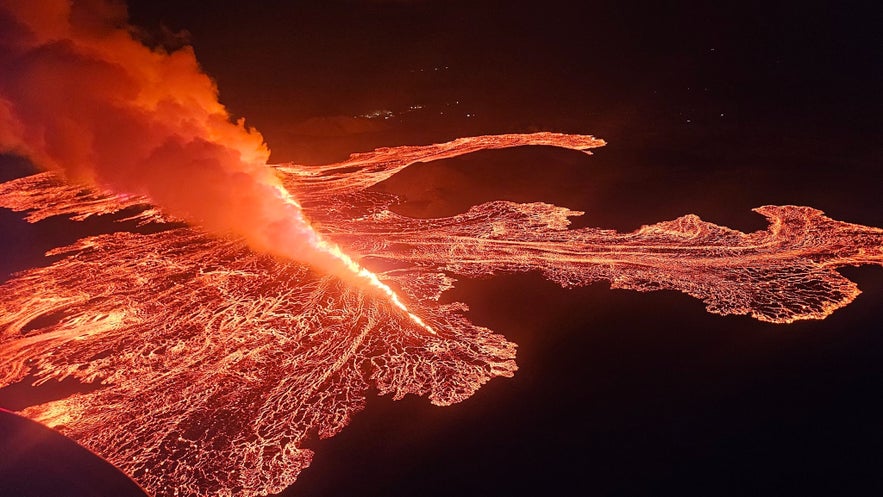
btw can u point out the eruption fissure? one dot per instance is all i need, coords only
(142, 313)
(371, 279)
(81, 96)
(181, 327)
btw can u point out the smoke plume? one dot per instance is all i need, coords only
(79, 94)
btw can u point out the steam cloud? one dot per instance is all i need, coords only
(81, 95)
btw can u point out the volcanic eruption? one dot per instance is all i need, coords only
(218, 347)
(81, 96)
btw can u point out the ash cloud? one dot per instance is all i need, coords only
(80, 94)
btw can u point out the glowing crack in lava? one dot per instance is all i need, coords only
(79, 94)
(215, 362)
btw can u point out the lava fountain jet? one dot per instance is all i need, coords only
(177, 328)
(80, 95)
(212, 359)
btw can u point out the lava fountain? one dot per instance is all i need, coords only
(213, 349)
(80, 95)
(214, 362)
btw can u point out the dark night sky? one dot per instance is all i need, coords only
(707, 109)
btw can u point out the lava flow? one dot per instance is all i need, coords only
(210, 351)
(210, 363)
(354, 270)
(81, 95)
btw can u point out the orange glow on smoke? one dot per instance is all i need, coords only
(180, 327)
(216, 349)
(80, 95)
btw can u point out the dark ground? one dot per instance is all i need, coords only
(707, 109)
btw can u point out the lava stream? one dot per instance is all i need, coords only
(178, 329)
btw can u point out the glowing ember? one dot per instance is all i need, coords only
(216, 362)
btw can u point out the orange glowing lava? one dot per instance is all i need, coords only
(81, 96)
(353, 270)
(216, 361)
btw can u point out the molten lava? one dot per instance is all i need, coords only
(81, 95)
(214, 361)
(216, 348)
